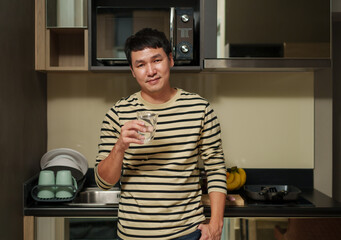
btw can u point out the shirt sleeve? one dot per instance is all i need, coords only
(211, 152)
(110, 132)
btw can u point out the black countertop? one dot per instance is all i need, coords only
(322, 206)
(314, 204)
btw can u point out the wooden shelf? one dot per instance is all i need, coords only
(59, 49)
(66, 49)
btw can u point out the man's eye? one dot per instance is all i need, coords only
(157, 60)
(139, 66)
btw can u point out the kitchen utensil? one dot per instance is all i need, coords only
(272, 192)
(150, 120)
(46, 184)
(65, 159)
(66, 184)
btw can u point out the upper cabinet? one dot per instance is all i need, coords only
(273, 28)
(61, 36)
(90, 34)
(205, 34)
(272, 34)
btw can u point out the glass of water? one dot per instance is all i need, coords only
(150, 120)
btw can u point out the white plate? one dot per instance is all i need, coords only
(65, 158)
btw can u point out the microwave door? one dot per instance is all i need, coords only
(111, 29)
(115, 25)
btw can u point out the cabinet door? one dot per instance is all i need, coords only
(75, 228)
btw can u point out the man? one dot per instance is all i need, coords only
(160, 190)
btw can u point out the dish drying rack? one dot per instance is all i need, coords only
(35, 190)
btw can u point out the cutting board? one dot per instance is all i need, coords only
(239, 201)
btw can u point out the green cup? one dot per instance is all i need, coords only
(46, 184)
(66, 184)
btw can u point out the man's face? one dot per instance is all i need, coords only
(151, 68)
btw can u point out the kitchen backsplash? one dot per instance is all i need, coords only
(267, 119)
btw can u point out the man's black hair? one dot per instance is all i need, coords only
(146, 38)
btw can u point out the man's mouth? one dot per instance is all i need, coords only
(153, 80)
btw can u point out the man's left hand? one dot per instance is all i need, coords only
(210, 232)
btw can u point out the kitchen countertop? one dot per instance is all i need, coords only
(323, 206)
(319, 205)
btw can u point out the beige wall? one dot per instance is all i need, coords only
(267, 119)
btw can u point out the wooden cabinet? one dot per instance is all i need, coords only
(59, 48)
(66, 49)
(28, 230)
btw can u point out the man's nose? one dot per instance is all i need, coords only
(150, 70)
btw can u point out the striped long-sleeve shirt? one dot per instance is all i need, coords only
(160, 190)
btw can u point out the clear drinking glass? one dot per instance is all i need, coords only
(150, 120)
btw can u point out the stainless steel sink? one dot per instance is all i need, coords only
(95, 197)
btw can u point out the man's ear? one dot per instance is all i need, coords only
(171, 60)
(132, 71)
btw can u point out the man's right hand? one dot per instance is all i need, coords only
(129, 134)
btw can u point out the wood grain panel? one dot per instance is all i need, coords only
(28, 228)
(239, 201)
(67, 49)
(40, 35)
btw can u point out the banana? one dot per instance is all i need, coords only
(242, 177)
(236, 180)
(229, 177)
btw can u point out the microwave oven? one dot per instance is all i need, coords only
(112, 22)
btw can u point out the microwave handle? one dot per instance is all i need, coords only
(172, 29)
